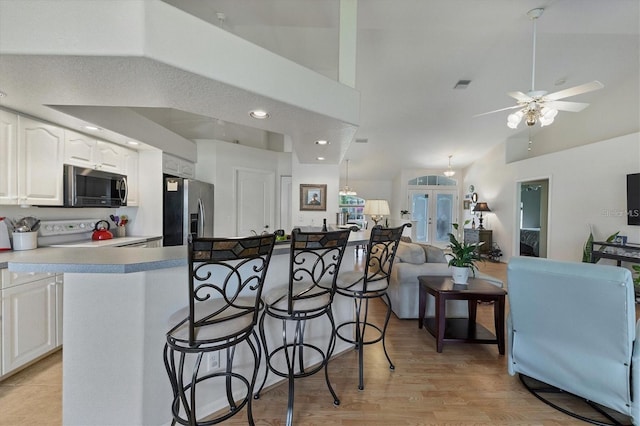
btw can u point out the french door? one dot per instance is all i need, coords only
(432, 212)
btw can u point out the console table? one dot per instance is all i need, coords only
(620, 253)
(476, 236)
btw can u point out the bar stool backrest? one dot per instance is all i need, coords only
(230, 269)
(314, 264)
(381, 252)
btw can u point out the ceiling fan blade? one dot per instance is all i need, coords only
(498, 110)
(573, 91)
(520, 97)
(566, 106)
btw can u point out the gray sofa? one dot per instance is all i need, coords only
(413, 260)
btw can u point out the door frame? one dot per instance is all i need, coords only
(433, 192)
(544, 237)
(270, 180)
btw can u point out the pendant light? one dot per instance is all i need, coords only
(346, 190)
(449, 172)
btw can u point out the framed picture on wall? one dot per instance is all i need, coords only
(313, 197)
(466, 204)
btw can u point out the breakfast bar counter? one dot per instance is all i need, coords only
(117, 304)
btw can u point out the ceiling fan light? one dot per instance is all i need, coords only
(549, 113)
(547, 116)
(514, 119)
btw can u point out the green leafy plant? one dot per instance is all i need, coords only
(462, 254)
(586, 251)
(636, 279)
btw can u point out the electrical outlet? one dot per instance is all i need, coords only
(213, 361)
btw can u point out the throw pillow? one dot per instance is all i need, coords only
(410, 253)
(433, 254)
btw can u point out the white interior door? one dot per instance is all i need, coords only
(255, 194)
(433, 211)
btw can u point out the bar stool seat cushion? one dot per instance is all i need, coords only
(225, 324)
(316, 299)
(353, 281)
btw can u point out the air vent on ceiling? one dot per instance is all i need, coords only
(363, 140)
(462, 84)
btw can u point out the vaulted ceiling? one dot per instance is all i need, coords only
(409, 56)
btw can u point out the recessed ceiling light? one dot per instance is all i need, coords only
(259, 114)
(92, 128)
(133, 142)
(3, 95)
(320, 158)
(322, 142)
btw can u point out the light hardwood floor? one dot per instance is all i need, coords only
(464, 385)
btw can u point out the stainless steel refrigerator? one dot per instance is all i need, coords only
(187, 209)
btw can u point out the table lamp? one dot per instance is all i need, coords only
(376, 209)
(481, 207)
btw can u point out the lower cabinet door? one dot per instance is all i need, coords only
(28, 322)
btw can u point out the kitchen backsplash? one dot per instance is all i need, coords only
(52, 213)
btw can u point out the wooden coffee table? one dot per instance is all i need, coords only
(461, 329)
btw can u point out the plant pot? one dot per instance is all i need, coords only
(459, 275)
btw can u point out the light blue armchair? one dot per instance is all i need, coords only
(572, 325)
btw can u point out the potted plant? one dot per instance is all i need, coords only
(636, 280)
(463, 257)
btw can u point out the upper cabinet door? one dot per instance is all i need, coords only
(109, 157)
(8, 157)
(40, 160)
(79, 149)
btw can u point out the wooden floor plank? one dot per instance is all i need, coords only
(464, 385)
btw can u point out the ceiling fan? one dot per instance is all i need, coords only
(538, 106)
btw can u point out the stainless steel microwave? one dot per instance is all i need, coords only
(85, 187)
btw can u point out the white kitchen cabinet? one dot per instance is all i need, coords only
(40, 158)
(28, 322)
(109, 157)
(8, 157)
(154, 243)
(85, 151)
(79, 149)
(131, 170)
(178, 167)
(59, 296)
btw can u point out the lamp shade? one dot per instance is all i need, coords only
(481, 207)
(376, 207)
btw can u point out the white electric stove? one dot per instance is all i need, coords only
(77, 233)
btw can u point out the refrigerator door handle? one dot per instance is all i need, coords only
(201, 214)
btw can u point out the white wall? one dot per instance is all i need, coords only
(218, 162)
(587, 186)
(314, 174)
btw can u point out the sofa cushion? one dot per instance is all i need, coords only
(433, 254)
(408, 273)
(410, 253)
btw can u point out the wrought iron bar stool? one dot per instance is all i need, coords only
(367, 285)
(315, 260)
(226, 277)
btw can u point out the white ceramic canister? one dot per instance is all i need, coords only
(25, 240)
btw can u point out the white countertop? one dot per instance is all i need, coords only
(122, 241)
(115, 260)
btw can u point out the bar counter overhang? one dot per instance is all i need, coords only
(116, 308)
